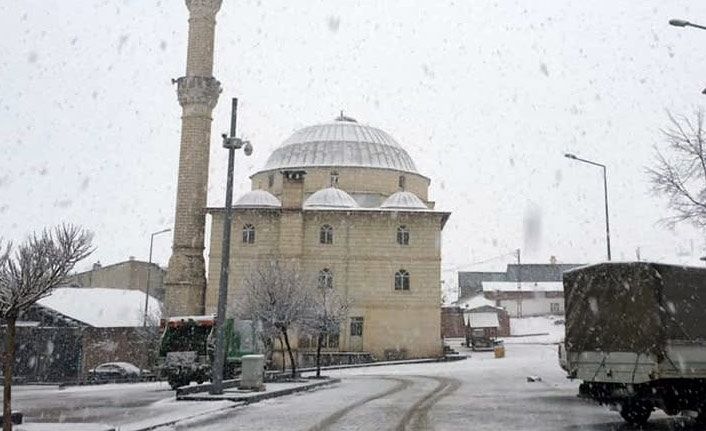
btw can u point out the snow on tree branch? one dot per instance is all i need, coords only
(679, 171)
(38, 265)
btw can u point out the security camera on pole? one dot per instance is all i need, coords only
(231, 143)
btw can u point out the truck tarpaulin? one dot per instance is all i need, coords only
(633, 307)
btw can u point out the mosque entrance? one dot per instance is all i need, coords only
(356, 334)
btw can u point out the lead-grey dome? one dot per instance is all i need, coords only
(258, 199)
(404, 201)
(330, 197)
(343, 142)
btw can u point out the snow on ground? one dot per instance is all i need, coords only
(102, 307)
(539, 329)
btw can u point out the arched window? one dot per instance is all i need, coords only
(248, 234)
(402, 280)
(334, 179)
(401, 182)
(326, 278)
(402, 235)
(326, 235)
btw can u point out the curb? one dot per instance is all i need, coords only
(259, 397)
(382, 364)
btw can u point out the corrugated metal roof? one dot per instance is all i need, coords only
(481, 320)
(340, 143)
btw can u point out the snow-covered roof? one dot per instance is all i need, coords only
(403, 200)
(343, 142)
(525, 286)
(330, 197)
(474, 302)
(258, 199)
(481, 320)
(102, 307)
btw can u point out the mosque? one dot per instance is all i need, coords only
(346, 204)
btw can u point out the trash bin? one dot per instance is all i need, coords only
(499, 350)
(251, 377)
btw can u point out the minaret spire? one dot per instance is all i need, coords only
(198, 94)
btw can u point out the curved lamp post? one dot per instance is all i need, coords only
(605, 191)
(684, 23)
(149, 273)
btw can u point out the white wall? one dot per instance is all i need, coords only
(533, 307)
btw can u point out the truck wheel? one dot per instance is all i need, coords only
(635, 412)
(701, 415)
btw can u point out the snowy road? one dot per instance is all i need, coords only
(481, 393)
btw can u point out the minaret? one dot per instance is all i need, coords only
(198, 93)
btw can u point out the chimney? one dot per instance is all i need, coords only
(97, 266)
(293, 189)
(552, 260)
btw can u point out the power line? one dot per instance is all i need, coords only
(480, 262)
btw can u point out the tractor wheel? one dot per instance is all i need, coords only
(635, 412)
(177, 382)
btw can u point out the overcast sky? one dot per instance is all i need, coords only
(485, 96)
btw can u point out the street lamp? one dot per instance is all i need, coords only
(231, 143)
(149, 272)
(684, 23)
(605, 191)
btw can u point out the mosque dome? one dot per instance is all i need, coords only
(258, 199)
(404, 201)
(330, 198)
(342, 142)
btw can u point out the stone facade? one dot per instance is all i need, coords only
(364, 254)
(198, 94)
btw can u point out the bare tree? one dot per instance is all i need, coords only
(275, 295)
(679, 172)
(28, 274)
(328, 311)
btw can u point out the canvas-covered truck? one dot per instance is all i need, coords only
(636, 337)
(187, 346)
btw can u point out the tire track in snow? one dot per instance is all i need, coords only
(417, 417)
(325, 424)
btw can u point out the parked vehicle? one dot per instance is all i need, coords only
(187, 345)
(635, 335)
(119, 371)
(481, 339)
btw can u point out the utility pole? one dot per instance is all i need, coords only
(231, 143)
(519, 285)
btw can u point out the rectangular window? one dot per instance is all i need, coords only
(304, 342)
(332, 341)
(554, 307)
(356, 326)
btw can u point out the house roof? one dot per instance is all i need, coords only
(476, 301)
(511, 286)
(101, 307)
(481, 320)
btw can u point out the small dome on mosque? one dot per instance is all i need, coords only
(330, 197)
(404, 200)
(342, 142)
(258, 199)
